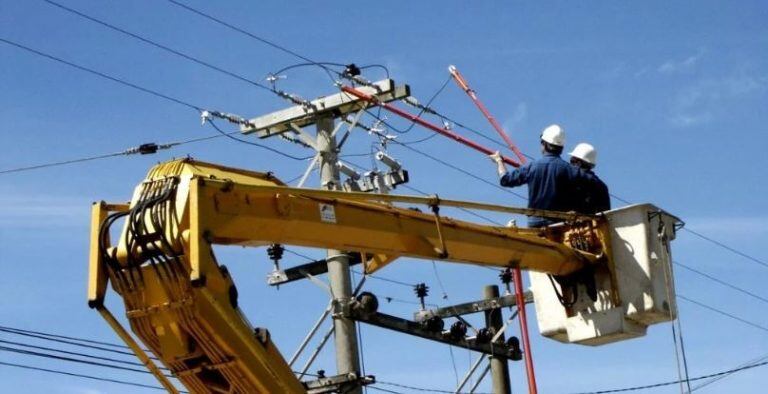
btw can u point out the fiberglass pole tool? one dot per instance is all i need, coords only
(517, 276)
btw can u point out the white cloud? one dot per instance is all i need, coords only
(673, 66)
(687, 120)
(42, 211)
(518, 117)
(699, 102)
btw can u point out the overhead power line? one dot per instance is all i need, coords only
(713, 309)
(669, 383)
(143, 149)
(726, 247)
(79, 354)
(73, 360)
(78, 375)
(722, 282)
(249, 34)
(160, 46)
(102, 75)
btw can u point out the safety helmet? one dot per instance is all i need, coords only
(554, 135)
(585, 152)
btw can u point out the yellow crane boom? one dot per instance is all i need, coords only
(183, 305)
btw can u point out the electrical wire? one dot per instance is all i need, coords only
(713, 309)
(102, 75)
(158, 45)
(669, 383)
(381, 278)
(29, 346)
(423, 109)
(129, 151)
(384, 390)
(726, 247)
(722, 282)
(70, 359)
(721, 377)
(417, 388)
(256, 144)
(78, 375)
(251, 35)
(69, 342)
(12, 330)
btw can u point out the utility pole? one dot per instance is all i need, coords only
(345, 335)
(494, 322)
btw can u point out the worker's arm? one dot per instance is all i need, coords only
(516, 177)
(501, 169)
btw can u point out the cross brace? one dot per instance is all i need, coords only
(473, 307)
(338, 104)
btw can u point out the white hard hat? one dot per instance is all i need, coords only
(585, 152)
(554, 135)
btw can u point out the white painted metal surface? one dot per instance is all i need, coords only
(640, 237)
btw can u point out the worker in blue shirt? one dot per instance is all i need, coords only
(551, 181)
(593, 196)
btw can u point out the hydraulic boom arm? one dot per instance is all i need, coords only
(183, 305)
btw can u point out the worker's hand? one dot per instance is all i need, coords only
(496, 156)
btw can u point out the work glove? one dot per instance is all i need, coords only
(495, 157)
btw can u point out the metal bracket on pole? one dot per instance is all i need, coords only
(334, 105)
(338, 384)
(317, 267)
(423, 331)
(304, 136)
(474, 306)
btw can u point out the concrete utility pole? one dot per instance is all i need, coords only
(347, 356)
(494, 322)
(322, 112)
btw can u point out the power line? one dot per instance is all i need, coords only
(29, 346)
(70, 359)
(384, 390)
(262, 146)
(160, 46)
(669, 383)
(381, 278)
(12, 330)
(726, 247)
(127, 152)
(102, 75)
(713, 309)
(251, 35)
(722, 282)
(77, 375)
(721, 377)
(416, 388)
(68, 342)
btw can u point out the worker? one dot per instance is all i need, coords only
(551, 181)
(592, 192)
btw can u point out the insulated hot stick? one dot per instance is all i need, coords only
(413, 118)
(472, 95)
(516, 274)
(518, 277)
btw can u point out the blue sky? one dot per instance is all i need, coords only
(672, 94)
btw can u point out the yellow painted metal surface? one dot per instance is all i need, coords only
(182, 304)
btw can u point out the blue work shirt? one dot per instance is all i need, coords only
(551, 185)
(593, 195)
